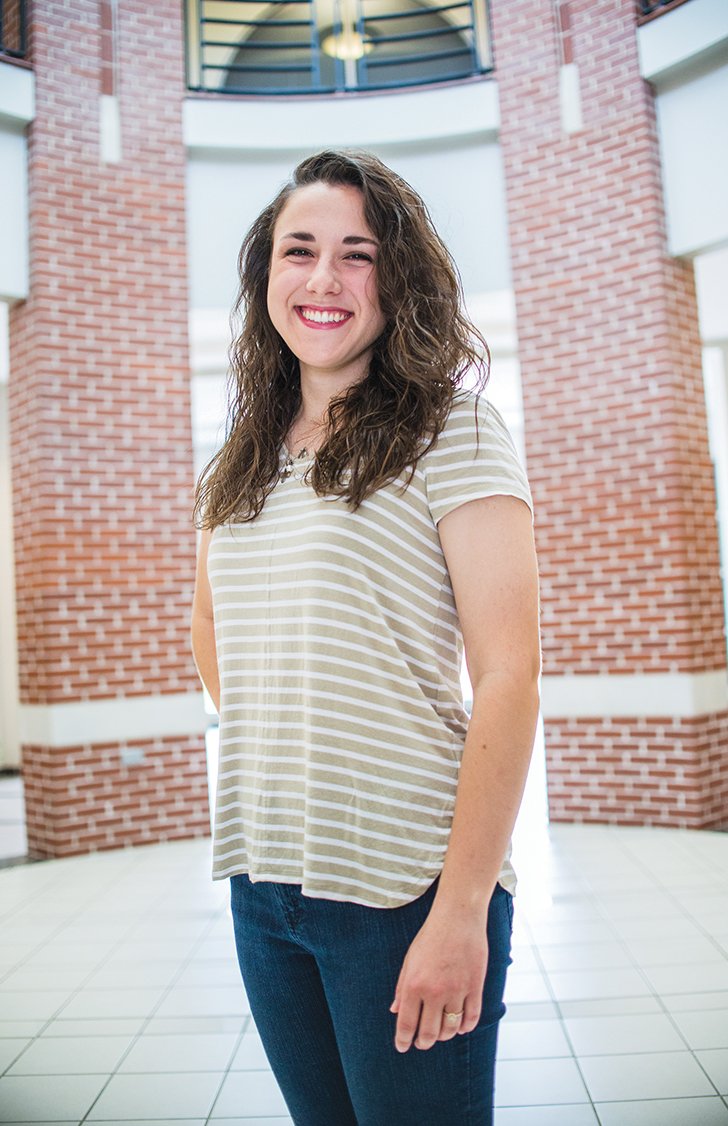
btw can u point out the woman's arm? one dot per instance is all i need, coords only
(203, 625)
(491, 557)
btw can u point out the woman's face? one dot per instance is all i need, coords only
(322, 289)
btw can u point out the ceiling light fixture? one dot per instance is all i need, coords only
(348, 44)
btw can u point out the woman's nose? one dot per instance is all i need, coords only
(323, 278)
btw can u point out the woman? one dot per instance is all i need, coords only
(365, 517)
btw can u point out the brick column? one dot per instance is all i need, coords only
(634, 689)
(99, 403)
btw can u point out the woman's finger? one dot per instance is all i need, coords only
(451, 1020)
(430, 1024)
(471, 1016)
(407, 1020)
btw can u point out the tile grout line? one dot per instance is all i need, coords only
(636, 861)
(557, 1006)
(74, 992)
(134, 861)
(147, 1020)
(246, 1026)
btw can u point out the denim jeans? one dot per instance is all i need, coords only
(320, 976)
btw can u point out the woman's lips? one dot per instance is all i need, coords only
(338, 317)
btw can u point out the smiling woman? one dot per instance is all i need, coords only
(365, 519)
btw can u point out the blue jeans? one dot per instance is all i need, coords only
(320, 977)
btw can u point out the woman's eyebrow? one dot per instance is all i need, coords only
(348, 240)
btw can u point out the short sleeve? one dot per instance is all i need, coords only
(468, 461)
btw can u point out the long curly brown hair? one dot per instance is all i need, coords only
(381, 425)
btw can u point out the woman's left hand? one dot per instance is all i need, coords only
(444, 969)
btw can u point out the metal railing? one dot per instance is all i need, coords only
(326, 46)
(12, 29)
(647, 8)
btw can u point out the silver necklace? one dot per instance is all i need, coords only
(289, 465)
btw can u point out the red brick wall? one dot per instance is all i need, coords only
(84, 798)
(100, 420)
(616, 434)
(651, 771)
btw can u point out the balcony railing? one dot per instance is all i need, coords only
(12, 29)
(327, 46)
(648, 9)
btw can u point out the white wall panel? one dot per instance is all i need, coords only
(693, 126)
(13, 213)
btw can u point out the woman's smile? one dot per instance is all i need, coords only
(323, 318)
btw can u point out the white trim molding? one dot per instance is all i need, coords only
(680, 39)
(110, 129)
(259, 124)
(570, 98)
(17, 94)
(637, 695)
(113, 721)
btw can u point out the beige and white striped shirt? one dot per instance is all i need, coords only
(341, 719)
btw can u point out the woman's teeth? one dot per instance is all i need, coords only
(322, 316)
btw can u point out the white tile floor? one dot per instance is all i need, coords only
(120, 1000)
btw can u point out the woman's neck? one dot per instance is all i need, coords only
(318, 388)
(309, 426)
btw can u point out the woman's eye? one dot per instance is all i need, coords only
(362, 257)
(296, 250)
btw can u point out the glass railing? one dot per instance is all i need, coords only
(12, 29)
(327, 46)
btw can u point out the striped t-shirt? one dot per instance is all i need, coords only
(339, 649)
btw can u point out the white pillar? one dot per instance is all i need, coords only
(715, 370)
